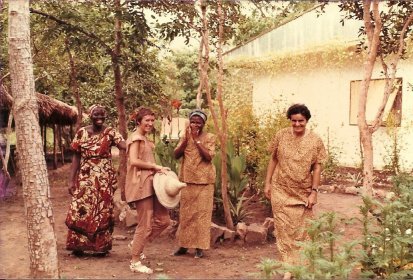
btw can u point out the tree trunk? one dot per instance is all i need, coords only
(221, 132)
(120, 100)
(36, 192)
(366, 134)
(75, 86)
(54, 147)
(44, 131)
(373, 30)
(224, 131)
(62, 149)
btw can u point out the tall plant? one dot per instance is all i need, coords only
(164, 153)
(237, 183)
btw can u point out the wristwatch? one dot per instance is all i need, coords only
(314, 189)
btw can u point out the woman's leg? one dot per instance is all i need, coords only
(161, 219)
(144, 211)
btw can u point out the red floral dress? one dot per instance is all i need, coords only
(90, 218)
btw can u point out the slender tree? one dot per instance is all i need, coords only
(74, 85)
(204, 86)
(385, 33)
(36, 191)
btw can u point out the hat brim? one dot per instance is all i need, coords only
(159, 181)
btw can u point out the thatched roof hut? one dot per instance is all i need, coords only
(51, 111)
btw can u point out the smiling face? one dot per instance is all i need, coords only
(98, 117)
(146, 124)
(197, 124)
(298, 123)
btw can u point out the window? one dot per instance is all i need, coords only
(392, 109)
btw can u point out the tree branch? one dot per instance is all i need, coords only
(389, 87)
(107, 49)
(367, 23)
(182, 19)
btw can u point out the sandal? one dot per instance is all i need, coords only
(181, 251)
(139, 267)
(78, 253)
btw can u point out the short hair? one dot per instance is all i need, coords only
(141, 112)
(298, 109)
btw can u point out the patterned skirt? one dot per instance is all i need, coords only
(290, 220)
(195, 214)
(90, 218)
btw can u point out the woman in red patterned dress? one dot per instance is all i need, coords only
(92, 183)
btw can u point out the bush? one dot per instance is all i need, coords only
(164, 153)
(252, 136)
(237, 182)
(324, 260)
(387, 242)
(387, 238)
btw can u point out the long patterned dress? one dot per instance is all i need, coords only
(197, 199)
(291, 186)
(90, 217)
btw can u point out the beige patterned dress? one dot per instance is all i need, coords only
(291, 186)
(195, 212)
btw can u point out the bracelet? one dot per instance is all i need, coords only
(314, 189)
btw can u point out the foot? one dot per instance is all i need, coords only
(78, 253)
(139, 267)
(181, 251)
(142, 256)
(198, 253)
(100, 254)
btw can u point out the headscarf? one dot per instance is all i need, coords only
(200, 113)
(94, 107)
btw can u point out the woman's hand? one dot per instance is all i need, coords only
(312, 200)
(187, 134)
(267, 191)
(161, 169)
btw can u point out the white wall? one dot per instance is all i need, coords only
(326, 92)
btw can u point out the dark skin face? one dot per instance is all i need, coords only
(98, 118)
(196, 124)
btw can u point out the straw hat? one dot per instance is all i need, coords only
(168, 188)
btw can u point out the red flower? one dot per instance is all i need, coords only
(176, 103)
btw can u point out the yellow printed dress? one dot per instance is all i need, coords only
(291, 186)
(90, 217)
(197, 199)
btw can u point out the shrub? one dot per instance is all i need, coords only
(387, 242)
(237, 182)
(164, 150)
(324, 260)
(331, 164)
(387, 238)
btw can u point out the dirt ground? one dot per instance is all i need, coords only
(223, 261)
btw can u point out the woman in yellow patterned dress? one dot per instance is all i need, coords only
(197, 148)
(90, 218)
(293, 177)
